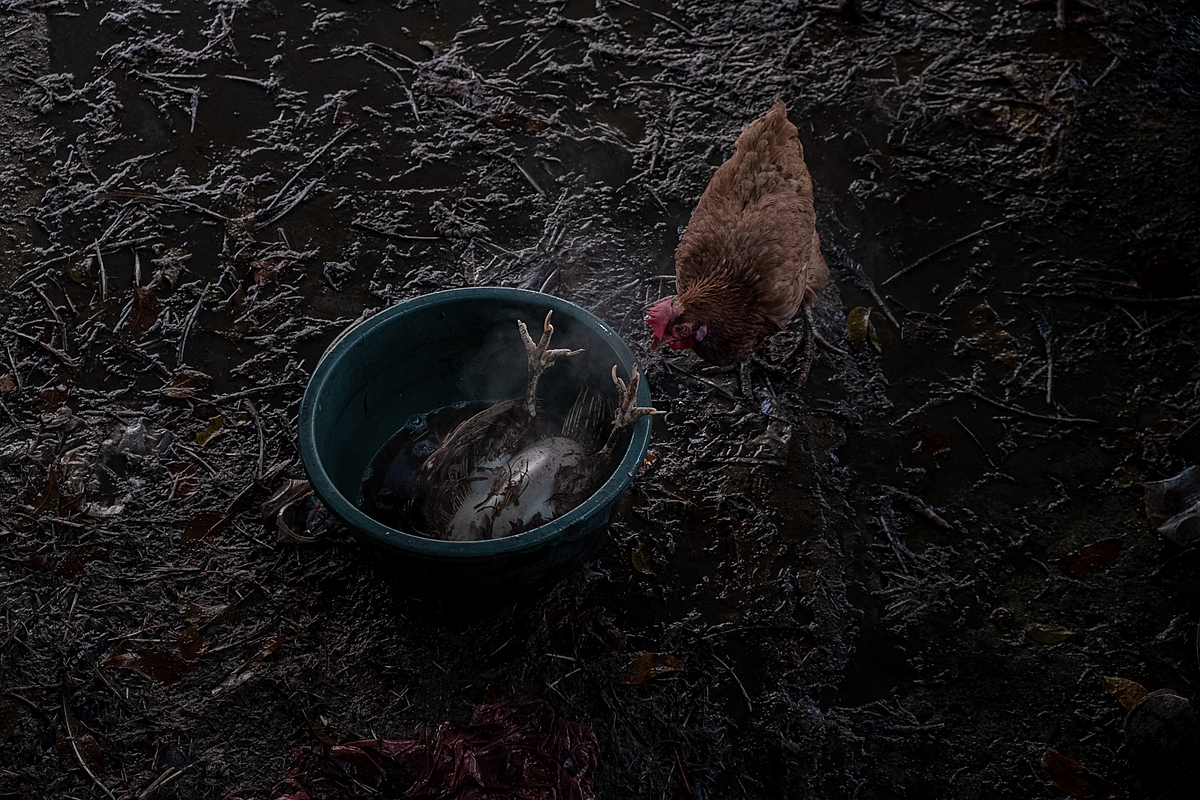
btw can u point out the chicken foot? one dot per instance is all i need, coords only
(627, 413)
(809, 347)
(743, 371)
(811, 338)
(541, 358)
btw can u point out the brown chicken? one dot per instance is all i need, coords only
(750, 257)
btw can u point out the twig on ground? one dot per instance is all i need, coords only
(103, 275)
(663, 17)
(246, 392)
(864, 282)
(75, 748)
(168, 775)
(274, 200)
(745, 694)
(297, 200)
(10, 415)
(262, 442)
(67, 360)
(412, 101)
(1116, 60)
(196, 456)
(523, 171)
(976, 440)
(1022, 412)
(1159, 324)
(188, 322)
(944, 248)
(393, 234)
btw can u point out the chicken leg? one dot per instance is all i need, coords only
(811, 339)
(627, 413)
(541, 358)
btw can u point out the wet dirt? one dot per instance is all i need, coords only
(858, 579)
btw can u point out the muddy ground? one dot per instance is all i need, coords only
(867, 583)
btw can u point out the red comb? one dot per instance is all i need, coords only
(660, 315)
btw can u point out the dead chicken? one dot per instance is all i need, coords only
(503, 472)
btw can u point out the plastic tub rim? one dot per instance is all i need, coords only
(412, 544)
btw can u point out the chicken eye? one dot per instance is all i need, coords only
(683, 330)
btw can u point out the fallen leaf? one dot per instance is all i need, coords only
(186, 383)
(246, 671)
(318, 727)
(641, 559)
(989, 334)
(187, 478)
(507, 119)
(69, 502)
(87, 745)
(206, 614)
(303, 519)
(53, 397)
(206, 434)
(1074, 779)
(858, 322)
(1128, 693)
(648, 462)
(266, 270)
(80, 271)
(7, 384)
(646, 666)
(1163, 723)
(143, 310)
(1047, 634)
(1090, 558)
(202, 526)
(162, 667)
(77, 560)
(205, 411)
(191, 643)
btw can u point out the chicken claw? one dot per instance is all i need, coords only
(627, 411)
(541, 358)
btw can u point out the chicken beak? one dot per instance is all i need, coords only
(655, 344)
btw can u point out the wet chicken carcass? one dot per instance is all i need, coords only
(501, 472)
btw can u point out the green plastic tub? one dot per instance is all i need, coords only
(425, 354)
